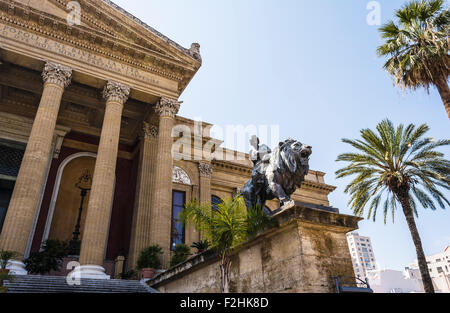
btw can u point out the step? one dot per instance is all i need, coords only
(57, 284)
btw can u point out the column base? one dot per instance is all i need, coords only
(16, 268)
(88, 272)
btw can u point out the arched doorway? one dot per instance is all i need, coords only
(66, 200)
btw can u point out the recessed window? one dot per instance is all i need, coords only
(215, 201)
(6, 189)
(177, 233)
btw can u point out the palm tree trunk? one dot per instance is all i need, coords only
(423, 267)
(444, 91)
(225, 266)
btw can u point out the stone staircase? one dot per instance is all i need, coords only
(55, 284)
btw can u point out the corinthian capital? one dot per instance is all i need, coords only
(167, 107)
(205, 169)
(149, 131)
(115, 91)
(57, 74)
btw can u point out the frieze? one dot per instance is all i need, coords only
(76, 54)
(109, 32)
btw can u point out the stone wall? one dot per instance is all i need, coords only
(302, 254)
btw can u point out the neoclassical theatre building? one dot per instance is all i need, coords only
(86, 116)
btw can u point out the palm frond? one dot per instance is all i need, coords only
(411, 166)
(417, 43)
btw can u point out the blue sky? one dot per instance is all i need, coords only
(311, 68)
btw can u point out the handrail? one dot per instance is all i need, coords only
(357, 287)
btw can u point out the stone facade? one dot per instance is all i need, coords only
(107, 92)
(302, 254)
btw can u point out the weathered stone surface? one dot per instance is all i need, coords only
(302, 254)
(140, 229)
(22, 208)
(161, 208)
(100, 201)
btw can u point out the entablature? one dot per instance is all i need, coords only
(87, 47)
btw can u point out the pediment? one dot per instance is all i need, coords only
(107, 30)
(108, 19)
(45, 6)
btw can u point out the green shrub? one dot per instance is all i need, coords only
(149, 257)
(5, 256)
(49, 259)
(201, 246)
(129, 275)
(181, 254)
(258, 220)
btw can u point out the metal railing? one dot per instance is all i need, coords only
(352, 284)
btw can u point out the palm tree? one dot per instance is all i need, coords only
(397, 166)
(225, 227)
(417, 46)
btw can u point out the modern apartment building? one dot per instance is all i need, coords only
(439, 267)
(363, 257)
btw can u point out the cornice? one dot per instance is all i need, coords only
(232, 166)
(248, 170)
(188, 52)
(100, 42)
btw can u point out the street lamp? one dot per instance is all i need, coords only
(84, 184)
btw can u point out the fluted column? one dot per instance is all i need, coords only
(95, 235)
(24, 200)
(161, 213)
(205, 170)
(140, 230)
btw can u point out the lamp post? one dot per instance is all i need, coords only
(84, 184)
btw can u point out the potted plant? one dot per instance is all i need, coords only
(5, 257)
(149, 261)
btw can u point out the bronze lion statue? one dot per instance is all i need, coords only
(277, 173)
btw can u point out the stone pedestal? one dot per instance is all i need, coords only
(141, 235)
(161, 212)
(22, 208)
(118, 265)
(16, 268)
(95, 235)
(88, 272)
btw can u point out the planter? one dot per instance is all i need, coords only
(148, 273)
(4, 271)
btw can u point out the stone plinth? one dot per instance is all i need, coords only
(302, 254)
